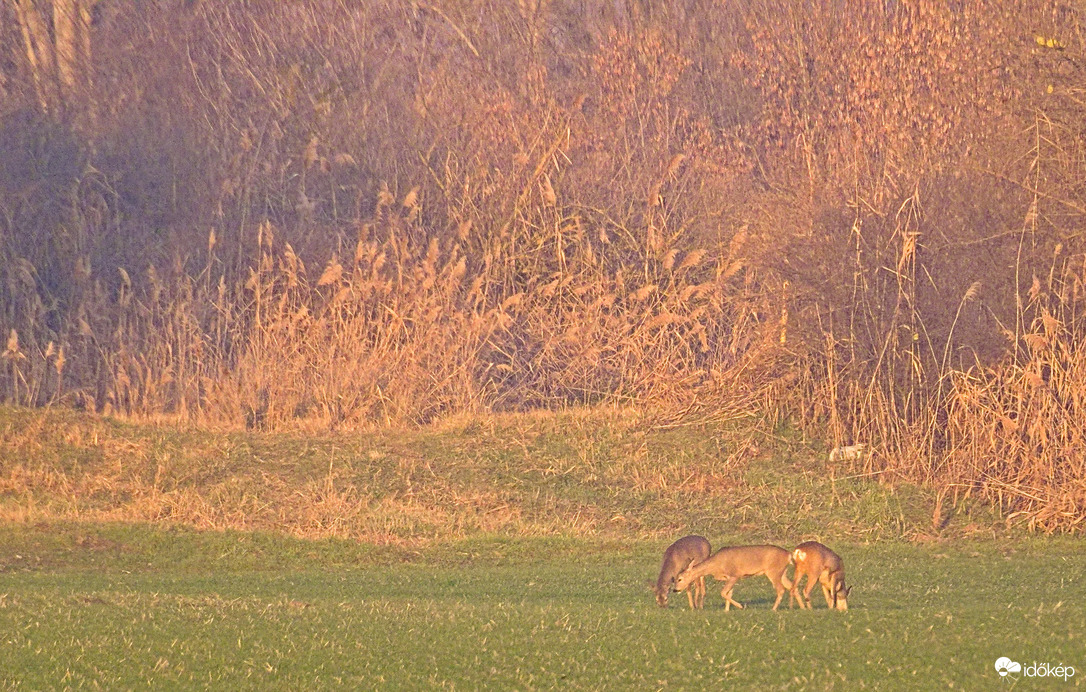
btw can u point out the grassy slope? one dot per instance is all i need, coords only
(610, 475)
(516, 553)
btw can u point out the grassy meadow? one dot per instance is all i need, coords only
(515, 554)
(130, 607)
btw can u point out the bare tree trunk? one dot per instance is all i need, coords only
(64, 31)
(59, 63)
(39, 51)
(83, 38)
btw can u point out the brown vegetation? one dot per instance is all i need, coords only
(865, 217)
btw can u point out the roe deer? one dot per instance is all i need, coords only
(737, 562)
(817, 562)
(684, 552)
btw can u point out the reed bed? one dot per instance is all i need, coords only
(326, 216)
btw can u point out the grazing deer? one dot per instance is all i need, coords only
(684, 552)
(818, 563)
(738, 562)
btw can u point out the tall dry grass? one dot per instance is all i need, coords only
(861, 217)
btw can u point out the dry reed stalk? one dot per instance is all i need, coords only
(586, 290)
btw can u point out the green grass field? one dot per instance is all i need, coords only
(137, 607)
(516, 553)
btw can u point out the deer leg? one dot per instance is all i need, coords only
(791, 587)
(726, 592)
(778, 585)
(827, 582)
(796, 593)
(700, 596)
(807, 591)
(840, 594)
